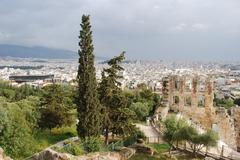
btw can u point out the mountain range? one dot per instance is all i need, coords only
(17, 51)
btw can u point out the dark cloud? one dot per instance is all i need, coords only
(156, 29)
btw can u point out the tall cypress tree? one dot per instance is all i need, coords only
(88, 105)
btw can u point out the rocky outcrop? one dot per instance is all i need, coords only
(3, 156)
(53, 155)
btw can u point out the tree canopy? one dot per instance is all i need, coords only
(177, 130)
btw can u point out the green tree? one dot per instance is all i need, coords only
(172, 132)
(141, 110)
(53, 111)
(199, 141)
(30, 108)
(9, 94)
(145, 95)
(117, 115)
(88, 106)
(226, 103)
(177, 130)
(15, 130)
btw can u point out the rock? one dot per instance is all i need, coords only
(141, 141)
(127, 152)
(53, 155)
(208, 158)
(3, 156)
(50, 154)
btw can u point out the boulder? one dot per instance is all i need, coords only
(50, 154)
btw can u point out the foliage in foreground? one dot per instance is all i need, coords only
(54, 112)
(160, 148)
(177, 130)
(73, 148)
(92, 144)
(17, 122)
(117, 117)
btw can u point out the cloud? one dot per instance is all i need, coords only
(4, 36)
(179, 27)
(183, 27)
(199, 27)
(145, 29)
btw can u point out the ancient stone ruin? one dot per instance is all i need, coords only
(193, 97)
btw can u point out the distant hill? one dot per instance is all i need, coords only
(7, 50)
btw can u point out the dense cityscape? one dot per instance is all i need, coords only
(226, 75)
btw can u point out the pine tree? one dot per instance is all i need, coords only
(117, 117)
(88, 106)
(53, 111)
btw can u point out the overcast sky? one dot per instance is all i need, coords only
(145, 29)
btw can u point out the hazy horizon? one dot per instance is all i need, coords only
(159, 29)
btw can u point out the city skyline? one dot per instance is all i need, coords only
(164, 29)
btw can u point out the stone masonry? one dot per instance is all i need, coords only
(193, 97)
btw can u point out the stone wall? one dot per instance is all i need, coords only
(225, 127)
(236, 115)
(206, 116)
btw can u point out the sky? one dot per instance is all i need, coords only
(145, 29)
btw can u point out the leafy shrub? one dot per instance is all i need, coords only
(15, 130)
(70, 147)
(160, 148)
(130, 140)
(137, 135)
(74, 149)
(92, 144)
(140, 135)
(141, 109)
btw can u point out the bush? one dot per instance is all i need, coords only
(130, 141)
(140, 135)
(160, 148)
(73, 148)
(16, 134)
(141, 110)
(92, 144)
(70, 147)
(137, 136)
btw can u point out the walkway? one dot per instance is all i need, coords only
(152, 135)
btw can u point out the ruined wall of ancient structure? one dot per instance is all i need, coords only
(225, 127)
(207, 116)
(236, 116)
